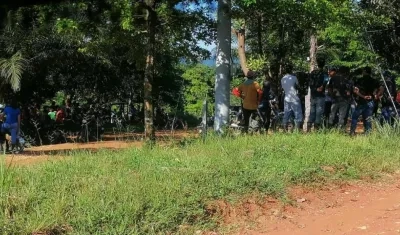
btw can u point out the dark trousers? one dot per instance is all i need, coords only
(246, 115)
(366, 110)
(3, 139)
(265, 110)
(388, 114)
(327, 112)
(340, 106)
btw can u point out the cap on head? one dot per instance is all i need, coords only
(251, 74)
(332, 68)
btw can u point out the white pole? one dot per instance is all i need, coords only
(223, 66)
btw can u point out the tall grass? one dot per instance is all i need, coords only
(387, 130)
(154, 191)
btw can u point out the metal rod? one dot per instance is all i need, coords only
(383, 77)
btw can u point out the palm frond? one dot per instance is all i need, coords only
(9, 21)
(12, 69)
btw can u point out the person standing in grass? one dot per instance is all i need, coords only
(328, 96)
(2, 132)
(339, 90)
(317, 83)
(268, 94)
(292, 101)
(250, 92)
(387, 97)
(363, 91)
(12, 122)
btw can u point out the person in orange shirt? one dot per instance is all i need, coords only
(250, 92)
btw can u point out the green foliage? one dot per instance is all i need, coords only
(199, 85)
(257, 62)
(97, 50)
(154, 191)
(280, 31)
(345, 47)
(66, 26)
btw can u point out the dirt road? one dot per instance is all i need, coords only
(56, 152)
(59, 151)
(359, 208)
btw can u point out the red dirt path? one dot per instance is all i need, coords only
(56, 152)
(357, 208)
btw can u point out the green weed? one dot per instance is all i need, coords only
(156, 190)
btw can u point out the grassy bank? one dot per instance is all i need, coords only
(154, 191)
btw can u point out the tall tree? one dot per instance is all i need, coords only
(223, 66)
(149, 71)
(313, 63)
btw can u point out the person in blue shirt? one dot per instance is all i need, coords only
(12, 122)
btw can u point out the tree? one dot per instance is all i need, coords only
(313, 64)
(149, 71)
(383, 30)
(199, 83)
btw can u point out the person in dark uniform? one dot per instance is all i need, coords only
(317, 83)
(328, 96)
(340, 91)
(387, 96)
(268, 94)
(363, 93)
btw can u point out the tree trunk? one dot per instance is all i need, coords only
(223, 66)
(259, 35)
(313, 63)
(281, 49)
(242, 49)
(149, 73)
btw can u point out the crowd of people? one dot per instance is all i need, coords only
(12, 118)
(335, 96)
(48, 124)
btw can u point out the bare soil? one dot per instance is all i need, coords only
(351, 209)
(59, 151)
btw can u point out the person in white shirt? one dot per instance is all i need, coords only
(292, 101)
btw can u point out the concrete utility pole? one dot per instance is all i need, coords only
(223, 66)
